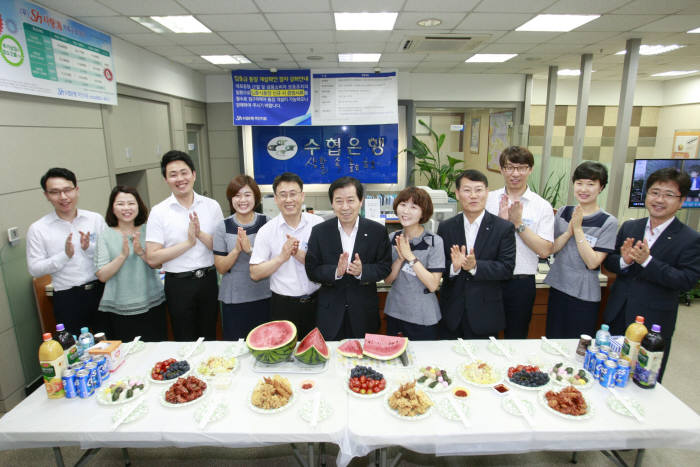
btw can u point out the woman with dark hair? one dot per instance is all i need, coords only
(245, 302)
(133, 297)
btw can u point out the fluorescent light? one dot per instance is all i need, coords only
(675, 73)
(359, 57)
(570, 72)
(365, 21)
(225, 59)
(653, 49)
(562, 23)
(181, 24)
(149, 23)
(694, 31)
(429, 22)
(489, 58)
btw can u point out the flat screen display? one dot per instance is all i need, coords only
(645, 167)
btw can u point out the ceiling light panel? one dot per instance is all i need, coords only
(653, 49)
(182, 24)
(359, 58)
(674, 73)
(561, 23)
(150, 24)
(365, 21)
(490, 58)
(226, 59)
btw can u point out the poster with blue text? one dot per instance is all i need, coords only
(261, 97)
(45, 53)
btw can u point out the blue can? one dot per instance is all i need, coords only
(68, 379)
(589, 359)
(83, 384)
(605, 349)
(76, 367)
(94, 374)
(607, 374)
(622, 374)
(600, 359)
(614, 356)
(85, 359)
(103, 368)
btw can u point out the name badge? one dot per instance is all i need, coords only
(408, 269)
(591, 240)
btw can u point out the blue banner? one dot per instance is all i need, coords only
(320, 154)
(261, 97)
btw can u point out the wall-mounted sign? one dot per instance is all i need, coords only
(685, 144)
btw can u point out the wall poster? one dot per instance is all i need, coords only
(685, 144)
(500, 125)
(474, 140)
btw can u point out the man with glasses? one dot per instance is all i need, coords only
(280, 253)
(533, 219)
(655, 258)
(62, 244)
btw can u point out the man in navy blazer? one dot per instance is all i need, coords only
(481, 252)
(656, 258)
(348, 255)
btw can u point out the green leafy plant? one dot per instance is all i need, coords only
(552, 188)
(430, 164)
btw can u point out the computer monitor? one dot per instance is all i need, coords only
(645, 167)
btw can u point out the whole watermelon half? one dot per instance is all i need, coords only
(272, 342)
(384, 347)
(312, 349)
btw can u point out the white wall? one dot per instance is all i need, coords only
(647, 93)
(682, 91)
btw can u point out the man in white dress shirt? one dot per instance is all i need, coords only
(179, 235)
(62, 244)
(533, 219)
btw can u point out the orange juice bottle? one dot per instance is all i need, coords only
(633, 339)
(53, 362)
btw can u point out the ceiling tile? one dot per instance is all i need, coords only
(254, 22)
(262, 48)
(197, 39)
(664, 7)
(311, 49)
(219, 6)
(442, 5)
(409, 20)
(433, 68)
(589, 7)
(529, 36)
(206, 67)
(306, 36)
(497, 21)
(257, 57)
(147, 39)
(190, 59)
(447, 58)
(169, 50)
(76, 8)
(148, 8)
(403, 57)
(363, 36)
(506, 48)
(213, 49)
(514, 6)
(299, 21)
(371, 6)
(251, 37)
(673, 23)
(583, 38)
(293, 6)
(618, 23)
(114, 24)
(359, 47)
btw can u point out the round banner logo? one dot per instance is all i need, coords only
(11, 51)
(282, 148)
(108, 74)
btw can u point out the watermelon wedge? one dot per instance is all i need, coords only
(272, 342)
(351, 348)
(384, 347)
(312, 349)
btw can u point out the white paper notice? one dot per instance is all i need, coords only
(373, 209)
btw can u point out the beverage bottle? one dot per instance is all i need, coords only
(85, 340)
(602, 337)
(52, 361)
(651, 353)
(633, 338)
(68, 343)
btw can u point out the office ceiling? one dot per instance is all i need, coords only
(285, 33)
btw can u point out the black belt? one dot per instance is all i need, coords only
(196, 274)
(86, 286)
(300, 299)
(523, 276)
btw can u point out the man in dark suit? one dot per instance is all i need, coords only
(656, 258)
(481, 248)
(348, 255)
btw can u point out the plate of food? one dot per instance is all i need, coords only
(564, 374)
(365, 383)
(219, 411)
(567, 403)
(434, 379)
(408, 403)
(271, 395)
(478, 373)
(184, 392)
(493, 348)
(216, 365)
(509, 406)
(186, 349)
(138, 413)
(121, 391)
(168, 371)
(459, 348)
(325, 410)
(617, 406)
(528, 377)
(447, 410)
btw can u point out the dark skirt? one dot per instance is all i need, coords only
(568, 317)
(238, 319)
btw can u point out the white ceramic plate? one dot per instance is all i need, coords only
(218, 413)
(550, 347)
(617, 406)
(137, 414)
(586, 416)
(237, 349)
(564, 382)
(444, 408)
(209, 377)
(363, 396)
(459, 350)
(509, 406)
(104, 396)
(402, 417)
(499, 374)
(185, 349)
(270, 411)
(137, 347)
(496, 351)
(168, 381)
(325, 410)
(184, 404)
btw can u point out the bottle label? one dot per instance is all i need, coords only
(648, 366)
(52, 371)
(71, 354)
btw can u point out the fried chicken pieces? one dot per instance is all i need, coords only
(568, 401)
(272, 393)
(408, 402)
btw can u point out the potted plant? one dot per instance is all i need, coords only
(551, 190)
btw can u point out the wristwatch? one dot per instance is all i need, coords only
(413, 261)
(521, 228)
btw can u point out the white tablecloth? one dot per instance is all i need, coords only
(356, 426)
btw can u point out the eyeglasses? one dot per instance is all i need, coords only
(57, 193)
(478, 192)
(667, 195)
(288, 195)
(521, 169)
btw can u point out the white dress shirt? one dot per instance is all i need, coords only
(46, 248)
(290, 278)
(537, 215)
(471, 229)
(650, 235)
(168, 223)
(348, 242)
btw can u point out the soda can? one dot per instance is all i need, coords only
(605, 349)
(589, 359)
(85, 358)
(83, 384)
(614, 356)
(76, 367)
(94, 374)
(607, 374)
(103, 368)
(68, 379)
(622, 374)
(600, 359)
(583, 343)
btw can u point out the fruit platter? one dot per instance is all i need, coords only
(376, 350)
(216, 365)
(565, 375)
(122, 391)
(409, 403)
(167, 370)
(184, 391)
(478, 373)
(434, 379)
(528, 377)
(271, 395)
(568, 403)
(366, 383)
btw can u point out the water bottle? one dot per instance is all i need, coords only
(602, 337)
(85, 340)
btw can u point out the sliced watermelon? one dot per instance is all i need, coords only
(272, 342)
(351, 348)
(312, 349)
(384, 347)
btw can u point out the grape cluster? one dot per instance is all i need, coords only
(367, 372)
(176, 369)
(530, 379)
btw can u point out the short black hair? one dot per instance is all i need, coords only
(112, 220)
(342, 182)
(517, 155)
(58, 172)
(671, 174)
(473, 175)
(287, 177)
(590, 170)
(175, 155)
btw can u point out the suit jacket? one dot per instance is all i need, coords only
(325, 247)
(653, 291)
(478, 297)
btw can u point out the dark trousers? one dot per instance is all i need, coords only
(300, 311)
(463, 330)
(238, 319)
(568, 317)
(77, 307)
(151, 325)
(414, 332)
(193, 306)
(518, 298)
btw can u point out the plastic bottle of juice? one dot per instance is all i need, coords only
(651, 353)
(633, 338)
(602, 337)
(68, 343)
(52, 361)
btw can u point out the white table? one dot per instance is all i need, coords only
(356, 426)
